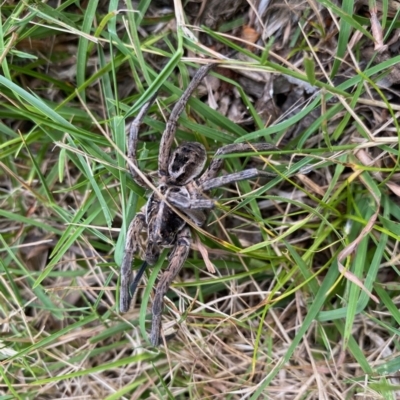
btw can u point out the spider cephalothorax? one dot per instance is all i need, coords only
(182, 187)
(186, 163)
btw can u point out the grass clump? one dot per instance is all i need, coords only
(304, 301)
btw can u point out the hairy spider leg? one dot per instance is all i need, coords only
(217, 162)
(133, 141)
(192, 208)
(235, 177)
(176, 259)
(185, 203)
(131, 247)
(169, 132)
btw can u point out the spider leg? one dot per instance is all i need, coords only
(131, 247)
(176, 260)
(193, 209)
(133, 141)
(169, 132)
(184, 203)
(217, 162)
(235, 177)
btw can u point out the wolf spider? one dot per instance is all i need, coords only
(182, 187)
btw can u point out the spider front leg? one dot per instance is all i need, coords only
(133, 141)
(131, 247)
(176, 259)
(169, 132)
